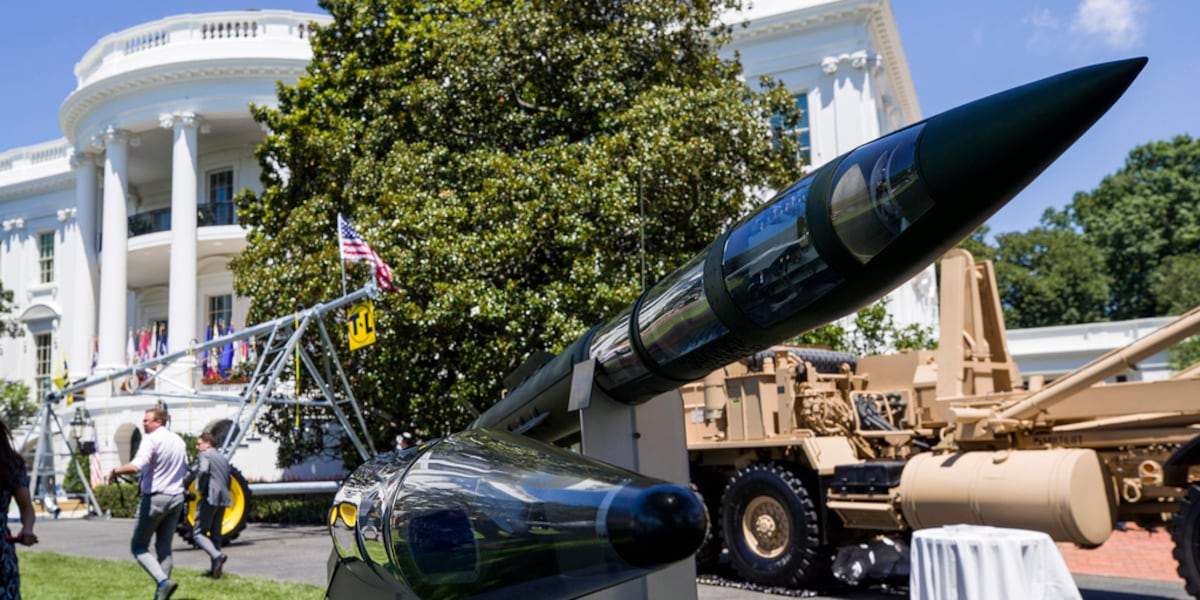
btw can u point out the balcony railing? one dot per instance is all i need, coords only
(268, 33)
(207, 215)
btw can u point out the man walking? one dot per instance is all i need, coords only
(162, 460)
(212, 481)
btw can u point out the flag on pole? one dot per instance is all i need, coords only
(356, 249)
(97, 471)
(63, 376)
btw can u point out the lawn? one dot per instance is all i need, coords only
(50, 576)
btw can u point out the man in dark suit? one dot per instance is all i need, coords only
(212, 481)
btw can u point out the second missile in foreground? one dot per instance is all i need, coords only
(490, 514)
(829, 244)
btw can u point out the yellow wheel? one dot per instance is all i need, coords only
(235, 515)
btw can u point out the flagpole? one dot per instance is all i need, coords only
(343, 264)
(341, 257)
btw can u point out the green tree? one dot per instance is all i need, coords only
(1050, 276)
(874, 331)
(17, 407)
(8, 325)
(1144, 213)
(1184, 354)
(524, 167)
(1176, 289)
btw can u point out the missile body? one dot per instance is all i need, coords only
(833, 242)
(490, 514)
(485, 513)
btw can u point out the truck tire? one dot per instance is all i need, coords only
(236, 515)
(708, 557)
(771, 529)
(825, 361)
(1185, 531)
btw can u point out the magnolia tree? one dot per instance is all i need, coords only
(525, 168)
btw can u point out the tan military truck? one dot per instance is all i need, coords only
(799, 452)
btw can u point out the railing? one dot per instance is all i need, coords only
(207, 215)
(32, 155)
(103, 59)
(217, 213)
(151, 221)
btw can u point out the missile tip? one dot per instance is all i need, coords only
(657, 525)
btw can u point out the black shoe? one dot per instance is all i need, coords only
(165, 590)
(217, 564)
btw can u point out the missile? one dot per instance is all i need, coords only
(829, 244)
(486, 513)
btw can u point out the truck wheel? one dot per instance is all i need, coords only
(709, 554)
(235, 515)
(709, 487)
(771, 529)
(1185, 531)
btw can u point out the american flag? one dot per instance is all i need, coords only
(355, 249)
(96, 477)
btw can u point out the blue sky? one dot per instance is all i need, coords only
(957, 51)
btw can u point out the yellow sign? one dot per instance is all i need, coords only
(361, 321)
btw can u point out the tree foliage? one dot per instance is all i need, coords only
(874, 331)
(8, 325)
(17, 407)
(1050, 276)
(524, 167)
(1138, 217)
(1128, 249)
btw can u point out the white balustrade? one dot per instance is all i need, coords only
(167, 39)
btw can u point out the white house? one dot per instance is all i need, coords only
(1051, 352)
(845, 65)
(125, 225)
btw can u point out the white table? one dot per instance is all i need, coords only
(975, 562)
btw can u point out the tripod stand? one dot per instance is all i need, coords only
(48, 428)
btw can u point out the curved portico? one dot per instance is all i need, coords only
(161, 110)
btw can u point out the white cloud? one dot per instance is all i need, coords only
(1115, 21)
(1046, 28)
(1042, 19)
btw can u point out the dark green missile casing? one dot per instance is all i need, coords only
(831, 243)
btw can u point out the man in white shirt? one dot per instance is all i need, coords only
(162, 460)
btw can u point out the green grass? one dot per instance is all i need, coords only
(50, 576)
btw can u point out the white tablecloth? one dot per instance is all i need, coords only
(973, 562)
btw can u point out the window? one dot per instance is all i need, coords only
(46, 256)
(41, 342)
(799, 132)
(220, 197)
(220, 313)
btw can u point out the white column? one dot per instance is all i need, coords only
(113, 284)
(181, 313)
(182, 295)
(82, 242)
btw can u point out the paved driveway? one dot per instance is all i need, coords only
(299, 553)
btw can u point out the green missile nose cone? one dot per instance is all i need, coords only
(981, 154)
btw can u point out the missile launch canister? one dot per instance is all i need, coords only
(829, 244)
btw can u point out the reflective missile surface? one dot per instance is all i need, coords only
(490, 514)
(829, 244)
